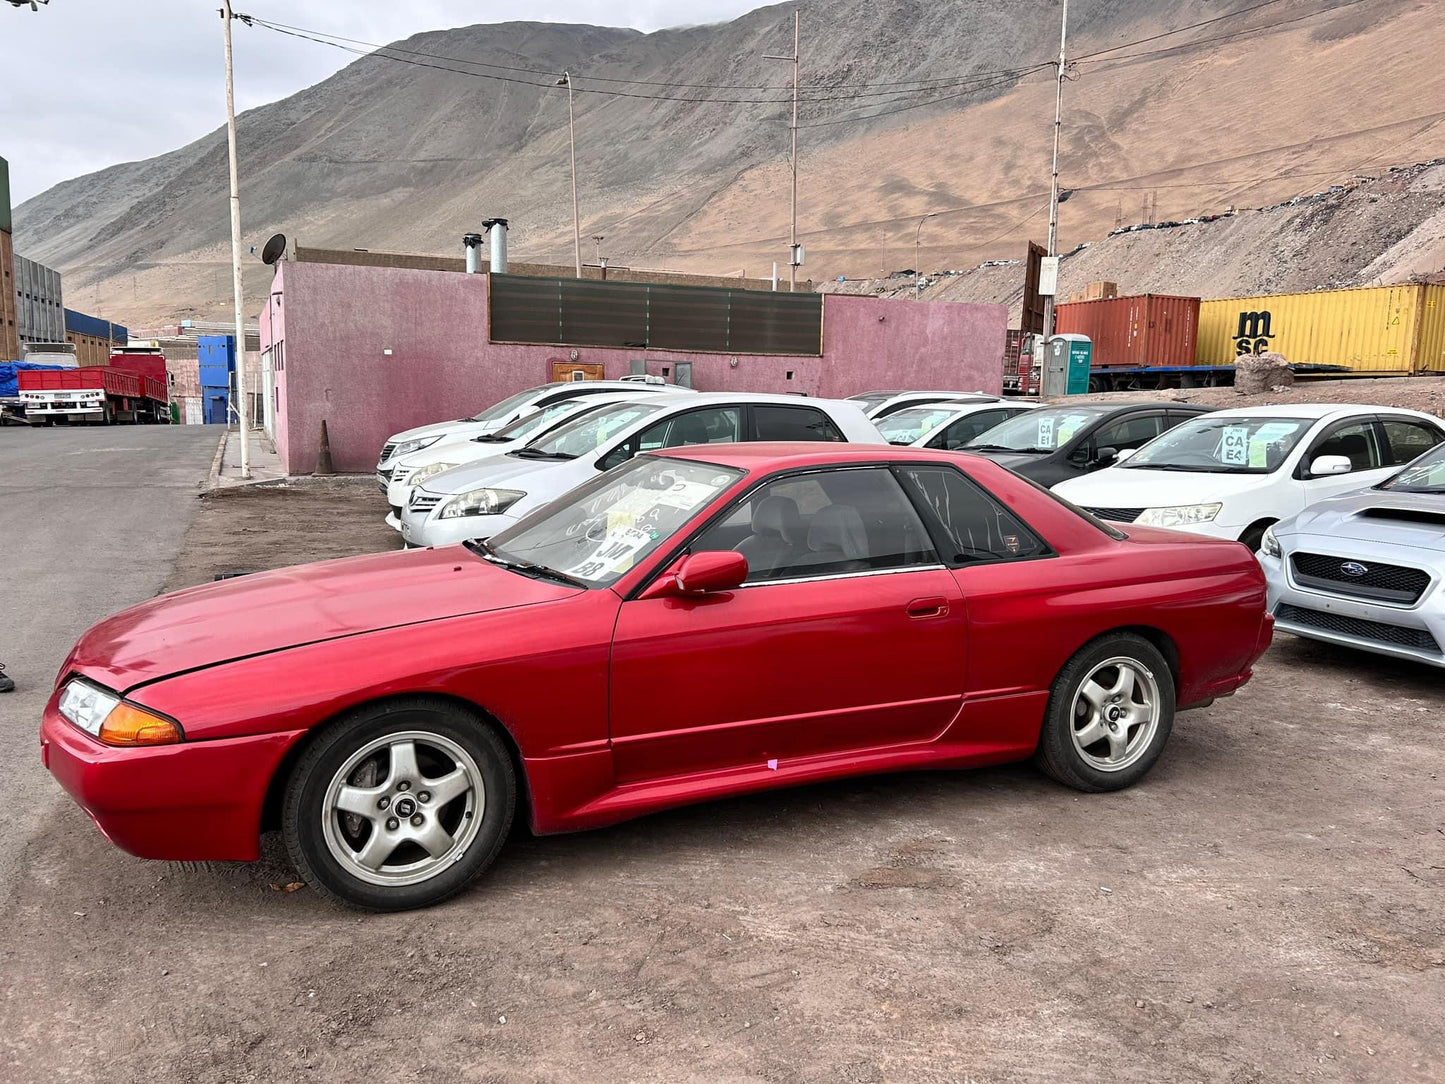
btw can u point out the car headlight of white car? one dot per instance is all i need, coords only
(1178, 515)
(431, 470)
(480, 502)
(406, 447)
(1269, 544)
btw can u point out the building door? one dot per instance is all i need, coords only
(573, 370)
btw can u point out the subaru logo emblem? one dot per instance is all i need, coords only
(1353, 568)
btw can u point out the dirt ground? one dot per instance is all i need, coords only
(1269, 904)
(1425, 393)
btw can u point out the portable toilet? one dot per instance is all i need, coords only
(1066, 365)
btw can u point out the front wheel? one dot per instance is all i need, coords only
(1110, 713)
(399, 805)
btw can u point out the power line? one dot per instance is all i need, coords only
(1181, 29)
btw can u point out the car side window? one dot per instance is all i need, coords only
(793, 423)
(978, 527)
(710, 425)
(1132, 432)
(959, 433)
(1356, 441)
(1408, 440)
(824, 523)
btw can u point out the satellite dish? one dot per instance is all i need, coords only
(274, 249)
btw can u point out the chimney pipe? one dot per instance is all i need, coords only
(472, 242)
(497, 227)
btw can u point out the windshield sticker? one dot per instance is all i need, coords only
(614, 554)
(1066, 433)
(1046, 432)
(1234, 446)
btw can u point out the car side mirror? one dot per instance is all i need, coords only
(700, 574)
(1104, 457)
(1123, 455)
(1324, 465)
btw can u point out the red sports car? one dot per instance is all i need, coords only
(698, 622)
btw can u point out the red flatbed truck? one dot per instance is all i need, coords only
(131, 388)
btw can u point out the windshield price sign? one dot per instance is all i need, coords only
(1234, 448)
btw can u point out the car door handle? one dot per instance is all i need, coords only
(935, 606)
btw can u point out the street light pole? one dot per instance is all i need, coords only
(917, 241)
(566, 81)
(1054, 190)
(793, 226)
(242, 405)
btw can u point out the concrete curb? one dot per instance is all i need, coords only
(213, 480)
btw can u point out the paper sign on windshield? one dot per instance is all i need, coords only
(1046, 432)
(1234, 448)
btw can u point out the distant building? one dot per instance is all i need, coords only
(9, 319)
(94, 339)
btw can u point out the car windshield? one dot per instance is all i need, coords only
(1211, 444)
(588, 433)
(909, 425)
(1036, 431)
(504, 409)
(1423, 475)
(600, 530)
(537, 422)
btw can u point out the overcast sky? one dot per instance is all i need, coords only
(89, 83)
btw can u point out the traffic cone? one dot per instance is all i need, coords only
(323, 457)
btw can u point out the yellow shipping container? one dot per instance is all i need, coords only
(1374, 329)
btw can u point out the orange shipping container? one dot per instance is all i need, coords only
(1147, 331)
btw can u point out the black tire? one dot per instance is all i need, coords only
(1254, 535)
(313, 835)
(1059, 755)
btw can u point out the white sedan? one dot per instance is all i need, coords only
(504, 413)
(880, 404)
(411, 470)
(946, 425)
(1232, 473)
(478, 500)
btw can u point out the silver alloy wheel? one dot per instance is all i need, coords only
(1115, 714)
(410, 826)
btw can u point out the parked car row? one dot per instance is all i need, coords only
(665, 596)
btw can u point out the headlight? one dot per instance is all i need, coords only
(430, 471)
(480, 502)
(106, 716)
(1179, 515)
(1269, 544)
(406, 447)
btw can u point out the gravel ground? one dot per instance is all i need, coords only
(1268, 905)
(1425, 393)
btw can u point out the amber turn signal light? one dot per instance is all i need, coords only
(129, 725)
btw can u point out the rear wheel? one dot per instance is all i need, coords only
(1109, 716)
(399, 805)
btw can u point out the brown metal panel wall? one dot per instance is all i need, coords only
(1145, 331)
(9, 322)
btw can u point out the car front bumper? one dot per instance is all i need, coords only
(1413, 632)
(188, 802)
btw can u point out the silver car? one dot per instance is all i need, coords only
(1364, 569)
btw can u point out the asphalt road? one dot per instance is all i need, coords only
(91, 519)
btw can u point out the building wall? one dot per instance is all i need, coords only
(375, 350)
(40, 310)
(9, 322)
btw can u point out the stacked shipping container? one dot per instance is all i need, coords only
(1147, 331)
(1372, 329)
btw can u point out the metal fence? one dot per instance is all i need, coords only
(639, 315)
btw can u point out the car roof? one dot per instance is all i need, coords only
(761, 397)
(769, 455)
(611, 385)
(1312, 410)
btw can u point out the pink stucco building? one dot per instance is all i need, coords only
(374, 350)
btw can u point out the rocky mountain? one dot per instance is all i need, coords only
(909, 107)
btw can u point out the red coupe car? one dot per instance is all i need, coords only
(695, 623)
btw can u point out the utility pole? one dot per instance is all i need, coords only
(793, 227)
(566, 81)
(1054, 191)
(242, 405)
(917, 241)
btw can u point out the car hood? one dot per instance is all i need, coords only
(1133, 487)
(508, 471)
(271, 611)
(457, 450)
(463, 428)
(1376, 516)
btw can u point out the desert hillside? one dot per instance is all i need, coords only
(910, 108)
